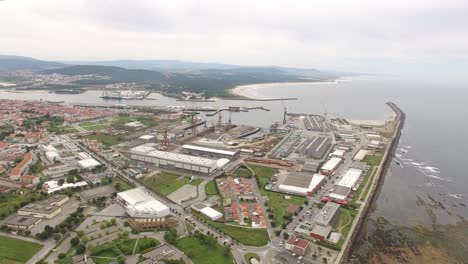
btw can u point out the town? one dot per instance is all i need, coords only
(90, 184)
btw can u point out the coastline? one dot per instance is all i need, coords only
(376, 185)
(250, 91)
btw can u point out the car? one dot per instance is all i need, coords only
(342, 202)
(325, 199)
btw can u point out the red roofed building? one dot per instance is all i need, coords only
(20, 167)
(299, 246)
(29, 179)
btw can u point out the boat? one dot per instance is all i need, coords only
(69, 91)
(55, 102)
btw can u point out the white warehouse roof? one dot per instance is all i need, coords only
(211, 213)
(141, 204)
(88, 163)
(146, 137)
(314, 182)
(361, 154)
(187, 159)
(143, 149)
(212, 150)
(350, 178)
(331, 164)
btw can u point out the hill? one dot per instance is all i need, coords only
(18, 63)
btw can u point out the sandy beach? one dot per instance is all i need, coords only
(252, 90)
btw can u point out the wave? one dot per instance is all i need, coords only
(456, 195)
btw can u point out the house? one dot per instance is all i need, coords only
(299, 246)
(29, 179)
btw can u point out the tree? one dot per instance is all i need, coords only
(80, 249)
(113, 221)
(324, 260)
(226, 250)
(75, 241)
(62, 255)
(120, 260)
(117, 186)
(57, 237)
(80, 233)
(285, 235)
(60, 182)
(71, 179)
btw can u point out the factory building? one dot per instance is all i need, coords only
(315, 148)
(39, 210)
(210, 152)
(325, 220)
(330, 166)
(346, 184)
(301, 183)
(146, 212)
(171, 160)
(211, 213)
(362, 153)
(88, 164)
(314, 122)
(22, 222)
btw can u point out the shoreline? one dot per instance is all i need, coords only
(250, 91)
(375, 187)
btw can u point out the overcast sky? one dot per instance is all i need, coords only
(393, 37)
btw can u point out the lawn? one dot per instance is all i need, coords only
(196, 182)
(343, 224)
(211, 189)
(277, 202)
(166, 183)
(17, 251)
(247, 236)
(201, 253)
(107, 140)
(248, 256)
(62, 129)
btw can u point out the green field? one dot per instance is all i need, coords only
(344, 223)
(62, 129)
(17, 251)
(247, 236)
(123, 185)
(166, 183)
(277, 202)
(211, 189)
(107, 140)
(201, 253)
(372, 161)
(243, 172)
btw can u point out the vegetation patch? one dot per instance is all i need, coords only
(211, 188)
(166, 183)
(204, 249)
(247, 236)
(107, 140)
(250, 256)
(12, 201)
(17, 251)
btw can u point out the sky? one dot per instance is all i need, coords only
(400, 37)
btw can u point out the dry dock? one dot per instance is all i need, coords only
(376, 185)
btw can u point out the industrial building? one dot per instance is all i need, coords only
(330, 166)
(54, 186)
(211, 213)
(315, 148)
(88, 164)
(327, 216)
(346, 184)
(210, 152)
(362, 153)
(145, 211)
(301, 183)
(171, 160)
(314, 122)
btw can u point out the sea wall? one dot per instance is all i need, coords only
(376, 185)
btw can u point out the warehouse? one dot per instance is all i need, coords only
(170, 160)
(301, 183)
(211, 213)
(327, 216)
(330, 166)
(210, 152)
(315, 148)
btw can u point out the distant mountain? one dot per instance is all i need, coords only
(18, 63)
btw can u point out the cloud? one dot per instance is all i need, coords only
(374, 36)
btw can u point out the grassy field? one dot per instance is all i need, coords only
(372, 161)
(246, 236)
(243, 172)
(62, 129)
(201, 253)
(123, 185)
(277, 202)
(92, 126)
(211, 188)
(196, 182)
(17, 251)
(107, 140)
(344, 223)
(166, 183)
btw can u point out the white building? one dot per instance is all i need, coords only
(331, 165)
(301, 184)
(139, 203)
(347, 183)
(53, 186)
(88, 164)
(52, 156)
(171, 160)
(362, 153)
(211, 213)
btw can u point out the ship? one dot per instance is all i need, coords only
(69, 91)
